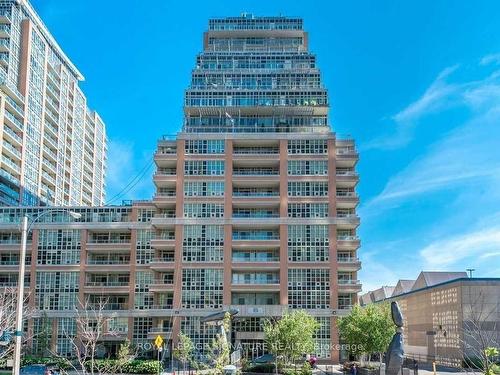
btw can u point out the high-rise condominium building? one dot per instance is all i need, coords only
(255, 209)
(52, 147)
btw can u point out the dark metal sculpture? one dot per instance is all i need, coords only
(395, 353)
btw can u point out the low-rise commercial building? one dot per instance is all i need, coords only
(446, 315)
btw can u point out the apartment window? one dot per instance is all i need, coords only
(59, 247)
(142, 326)
(213, 210)
(202, 288)
(308, 288)
(200, 334)
(203, 243)
(66, 328)
(203, 189)
(307, 167)
(307, 189)
(56, 290)
(145, 215)
(211, 146)
(322, 338)
(144, 251)
(307, 146)
(308, 243)
(249, 325)
(143, 298)
(204, 167)
(308, 210)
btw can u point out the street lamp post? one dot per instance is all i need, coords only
(26, 224)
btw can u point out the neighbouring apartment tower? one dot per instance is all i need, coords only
(255, 208)
(53, 148)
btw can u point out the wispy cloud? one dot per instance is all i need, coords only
(466, 155)
(476, 246)
(493, 58)
(439, 94)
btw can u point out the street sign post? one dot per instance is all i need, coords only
(158, 343)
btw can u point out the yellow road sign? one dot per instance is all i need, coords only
(158, 341)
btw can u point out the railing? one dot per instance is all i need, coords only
(107, 262)
(345, 307)
(255, 172)
(255, 259)
(170, 193)
(255, 129)
(256, 214)
(346, 194)
(161, 307)
(13, 134)
(256, 150)
(94, 241)
(345, 173)
(255, 281)
(165, 215)
(164, 236)
(160, 329)
(255, 236)
(349, 282)
(256, 193)
(13, 119)
(162, 260)
(109, 306)
(107, 283)
(163, 282)
(166, 172)
(347, 238)
(348, 260)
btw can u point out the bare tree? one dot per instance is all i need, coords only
(480, 330)
(8, 306)
(94, 324)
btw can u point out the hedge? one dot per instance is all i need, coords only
(136, 366)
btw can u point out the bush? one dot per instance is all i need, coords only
(305, 369)
(62, 363)
(264, 368)
(132, 367)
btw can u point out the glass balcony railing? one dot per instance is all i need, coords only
(248, 193)
(255, 172)
(106, 283)
(255, 235)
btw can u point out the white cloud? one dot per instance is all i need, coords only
(494, 58)
(439, 94)
(466, 155)
(476, 246)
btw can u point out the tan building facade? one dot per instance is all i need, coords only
(445, 321)
(254, 209)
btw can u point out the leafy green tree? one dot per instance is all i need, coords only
(290, 337)
(42, 338)
(218, 351)
(367, 330)
(184, 350)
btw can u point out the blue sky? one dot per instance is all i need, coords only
(416, 83)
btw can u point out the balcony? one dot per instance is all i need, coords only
(12, 135)
(348, 241)
(163, 239)
(162, 263)
(349, 286)
(107, 287)
(258, 153)
(4, 30)
(164, 196)
(165, 332)
(346, 177)
(252, 172)
(162, 285)
(348, 264)
(258, 310)
(351, 220)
